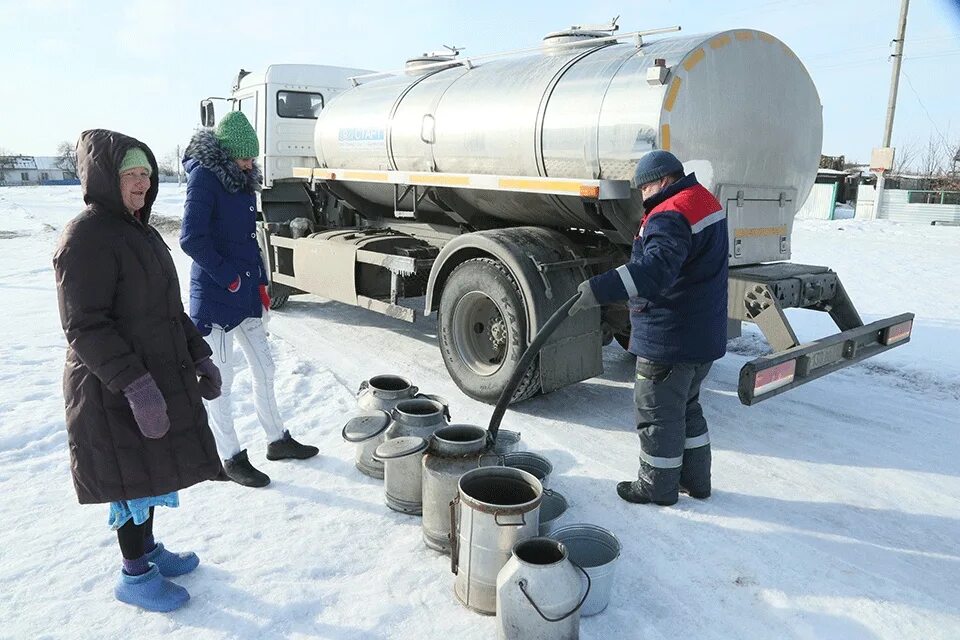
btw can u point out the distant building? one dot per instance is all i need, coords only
(36, 170)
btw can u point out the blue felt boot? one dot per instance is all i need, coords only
(150, 591)
(172, 564)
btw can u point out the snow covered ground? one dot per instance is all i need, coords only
(835, 514)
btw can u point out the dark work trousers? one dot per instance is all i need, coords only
(132, 537)
(674, 442)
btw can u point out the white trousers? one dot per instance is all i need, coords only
(253, 342)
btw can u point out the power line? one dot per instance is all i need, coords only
(924, 107)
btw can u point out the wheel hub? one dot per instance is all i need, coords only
(479, 333)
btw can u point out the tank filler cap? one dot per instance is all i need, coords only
(580, 33)
(433, 61)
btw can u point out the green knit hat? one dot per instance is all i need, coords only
(134, 158)
(237, 136)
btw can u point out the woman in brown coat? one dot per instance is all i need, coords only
(135, 421)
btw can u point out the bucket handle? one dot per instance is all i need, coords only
(496, 519)
(453, 537)
(523, 588)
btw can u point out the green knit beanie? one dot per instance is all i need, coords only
(134, 158)
(237, 136)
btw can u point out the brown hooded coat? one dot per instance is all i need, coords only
(121, 311)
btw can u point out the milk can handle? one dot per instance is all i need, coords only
(363, 387)
(414, 390)
(523, 589)
(496, 519)
(453, 537)
(499, 457)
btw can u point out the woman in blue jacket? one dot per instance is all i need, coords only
(228, 284)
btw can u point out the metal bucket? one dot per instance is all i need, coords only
(533, 463)
(402, 488)
(454, 450)
(540, 592)
(596, 550)
(498, 507)
(552, 509)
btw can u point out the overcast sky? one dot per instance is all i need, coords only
(141, 66)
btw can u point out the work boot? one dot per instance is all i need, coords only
(287, 448)
(239, 469)
(633, 491)
(699, 495)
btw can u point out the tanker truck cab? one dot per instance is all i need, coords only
(282, 103)
(493, 186)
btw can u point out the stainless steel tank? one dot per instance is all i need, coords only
(737, 107)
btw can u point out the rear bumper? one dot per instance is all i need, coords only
(773, 374)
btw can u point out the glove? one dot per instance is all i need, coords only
(234, 286)
(209, 379)
(148, 406)
(586, 300)
(264, 296)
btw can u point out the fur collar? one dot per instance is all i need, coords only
(209, 153)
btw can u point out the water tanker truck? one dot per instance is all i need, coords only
(490, 187)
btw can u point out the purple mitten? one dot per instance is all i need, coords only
(209, 379)
(148, 406)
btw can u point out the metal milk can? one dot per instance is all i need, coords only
(401, 477)
(379, 393)
(366, 431)
(419, 416)
(453, 451)
(498, 507)
(540, 592)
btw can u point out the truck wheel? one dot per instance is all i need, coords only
(483, 331)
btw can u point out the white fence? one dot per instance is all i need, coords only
(896, 206)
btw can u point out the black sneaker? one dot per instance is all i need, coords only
(699, 495)
(632, 491)
(239, 469)
(286, 448)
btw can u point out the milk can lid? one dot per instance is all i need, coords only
(400, 447)
(366, 425)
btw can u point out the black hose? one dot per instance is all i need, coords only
(535, 345)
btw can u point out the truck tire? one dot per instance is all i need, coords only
(483, 331)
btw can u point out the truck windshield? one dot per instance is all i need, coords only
(299, 104)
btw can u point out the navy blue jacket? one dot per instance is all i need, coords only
(219, 233)
(676, 280)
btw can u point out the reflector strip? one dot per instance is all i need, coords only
(589, 192)
(627, 280)
(665, 137)
(539, 185)
(897, 332)
(744, 35)
(774, 377)
(766, 37)
(672, 94)
(755, 232)
(694, 59)
(697, 441)
(302, 172)
(719, 42)
(661, 463)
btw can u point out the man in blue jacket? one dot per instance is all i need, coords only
(676, 284)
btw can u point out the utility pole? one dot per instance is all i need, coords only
(892, 102)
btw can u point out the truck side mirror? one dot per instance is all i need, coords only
(207, 116)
